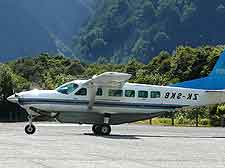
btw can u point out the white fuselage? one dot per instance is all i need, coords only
(159, 99)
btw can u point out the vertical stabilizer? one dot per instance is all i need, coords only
(219, 68)
(214, 81)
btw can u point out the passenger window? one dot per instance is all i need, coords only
(99, 92)
(129, 93)
(115, 93)
(81, 92)
(155, 94)
(143, 94)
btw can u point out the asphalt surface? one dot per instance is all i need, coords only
(73, 146)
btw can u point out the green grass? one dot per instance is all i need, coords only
(177, 122)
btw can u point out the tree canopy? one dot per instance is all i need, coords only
(49, 71)
(125, 29)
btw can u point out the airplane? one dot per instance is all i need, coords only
(109, 99)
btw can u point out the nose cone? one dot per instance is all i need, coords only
(13, 98)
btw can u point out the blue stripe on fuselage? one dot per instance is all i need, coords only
(27, 101)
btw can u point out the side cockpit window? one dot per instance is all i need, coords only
(81, 92)
(67, 89)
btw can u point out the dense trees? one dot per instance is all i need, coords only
(10, 82)
(48, 71)
(125, 29)
(6, 83)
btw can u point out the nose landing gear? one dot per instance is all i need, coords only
(30, 128)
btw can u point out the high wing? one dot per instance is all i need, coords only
(107, 79)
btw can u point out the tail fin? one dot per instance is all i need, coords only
(219, 68)
(214, 81)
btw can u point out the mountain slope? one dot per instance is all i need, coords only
(20, 33)
(31, 27)
(123, 29)
(62, 18)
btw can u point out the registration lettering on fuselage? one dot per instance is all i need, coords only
(178, 96)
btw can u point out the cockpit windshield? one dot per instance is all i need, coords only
(67, 89)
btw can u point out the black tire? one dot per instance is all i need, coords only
(96, 129)
(30, 129)
(105, 129)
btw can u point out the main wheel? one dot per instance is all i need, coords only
(105, 129)
(30, 129)
(96, 129)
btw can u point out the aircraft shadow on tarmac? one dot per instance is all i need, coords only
(136, 137)
(114, 136)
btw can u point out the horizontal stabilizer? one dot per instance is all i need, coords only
(215, 91)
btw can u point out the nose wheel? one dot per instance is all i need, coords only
(104, 129)
(30, 128)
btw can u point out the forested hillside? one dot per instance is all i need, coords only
(31, 27)
(124, 29)
(112, 31)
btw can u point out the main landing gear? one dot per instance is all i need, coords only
(30, 128)
(104, 129)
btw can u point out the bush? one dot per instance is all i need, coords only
(204, 122)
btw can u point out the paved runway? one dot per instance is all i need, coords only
(73, 146)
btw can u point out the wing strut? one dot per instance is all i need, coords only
(92, 95)
(107, 79)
